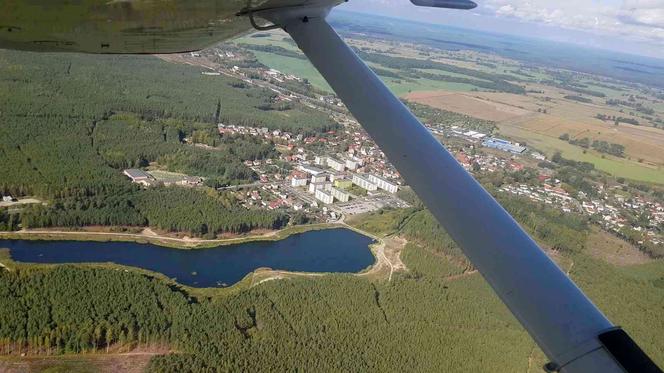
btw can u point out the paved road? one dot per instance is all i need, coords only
(233, 187)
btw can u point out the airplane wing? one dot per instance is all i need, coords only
(130, 26)
(571, 331)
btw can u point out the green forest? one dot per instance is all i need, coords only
(76, 86)
(71, 123)
(172, 209)
(438, 316)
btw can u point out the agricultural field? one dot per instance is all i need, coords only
(483, 105)
(518, 118)
(618, 167)
(553, 102)
(302, 68)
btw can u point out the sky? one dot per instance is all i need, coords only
(632, 26)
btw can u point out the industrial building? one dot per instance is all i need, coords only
(339, 194)
(323, 196)
(336, 164)
(474, 135)
(504, 145)
(363, 182)
(383, 184)
(139, 176)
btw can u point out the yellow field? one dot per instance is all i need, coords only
(517, 117)
(644, 143)
(475, 104)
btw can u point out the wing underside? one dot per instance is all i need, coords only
(128, 26)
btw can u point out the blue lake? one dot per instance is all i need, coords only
(329, 250)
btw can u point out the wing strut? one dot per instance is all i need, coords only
(559, 317)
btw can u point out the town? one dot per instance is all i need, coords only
(342, 172)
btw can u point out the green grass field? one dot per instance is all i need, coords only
(275, 39)
(301, 68)
(403, 87)
(450, 73)
(658, 106)
(610, 93)
(305, 69)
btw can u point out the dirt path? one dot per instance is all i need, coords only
(460, 275)
(530, 359)
(388, 258)
(264, 275)
(128, 362)
(147, 234)
(23, 201)
(387, 252)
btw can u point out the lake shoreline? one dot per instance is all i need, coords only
(314, 251)
(170, 242)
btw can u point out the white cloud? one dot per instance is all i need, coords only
(641, 20)
(643, 12)
(616, 24)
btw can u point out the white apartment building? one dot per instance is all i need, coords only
(336, 164)
(325, 185)
(299, 182)
(324, 196)
(363, 182)
(339, 194)
(299, 179)
(351, 164)
(383, 184)
(319, 178)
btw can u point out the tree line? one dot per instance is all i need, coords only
(601, 146)
(173, 209)
(617, 119)
(410, 67)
